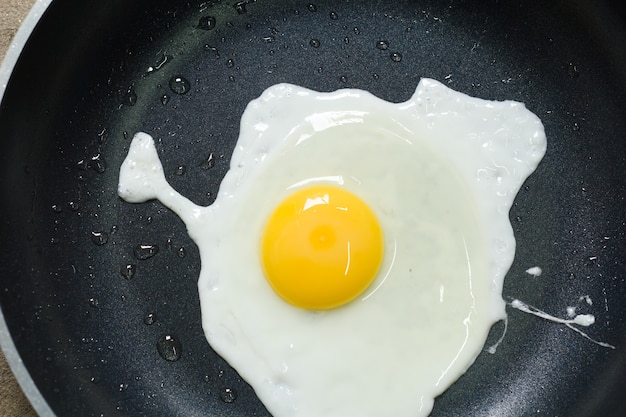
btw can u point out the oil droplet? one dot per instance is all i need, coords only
(73, 205)
(375, 76)
(315, 43)
(240, 7)
(99, 238)
(94, 302)
(213, 49)
(346, 40)
(143, 252)
(382, 45)
(343, 79)
(228, 395)
(128, 271)
(103, 135)
(207, 23)
(312, 7)
(165, 99)
(56, 208)
(98, 163)
(396, 56)
(181, 170)
(209, 162)
(179, 85)
(169, 347)
(160, 61)
(82, 165)
(182, 252)
(572, 70)
(230, 63)
(149, 319)
(333, 15)
(130, 97)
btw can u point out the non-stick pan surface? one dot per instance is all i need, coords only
(95, 72)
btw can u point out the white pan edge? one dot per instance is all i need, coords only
(6, 342)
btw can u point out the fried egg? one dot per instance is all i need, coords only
(353, 260)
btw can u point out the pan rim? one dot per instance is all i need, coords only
(7, 345)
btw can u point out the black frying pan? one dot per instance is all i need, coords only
(93, 73)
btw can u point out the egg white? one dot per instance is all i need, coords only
(440, 171)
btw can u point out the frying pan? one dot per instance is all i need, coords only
(82, 338)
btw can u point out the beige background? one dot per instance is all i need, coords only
(12, 401)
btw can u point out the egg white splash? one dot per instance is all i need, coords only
(440, 170)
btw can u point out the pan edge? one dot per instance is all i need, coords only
(6, 342)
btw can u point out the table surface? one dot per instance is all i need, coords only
(12, 401)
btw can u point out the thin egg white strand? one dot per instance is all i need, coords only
(580, 320)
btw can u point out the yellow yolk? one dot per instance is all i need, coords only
(321, 247)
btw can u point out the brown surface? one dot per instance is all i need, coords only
(13, 403)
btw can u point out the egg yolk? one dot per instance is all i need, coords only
(321, 247)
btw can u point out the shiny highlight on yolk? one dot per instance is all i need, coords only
(321, 247)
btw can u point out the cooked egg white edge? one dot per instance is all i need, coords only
(506, 160)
